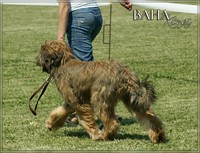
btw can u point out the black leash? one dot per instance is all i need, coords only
(44, 86)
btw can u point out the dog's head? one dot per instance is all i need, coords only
(53, 54)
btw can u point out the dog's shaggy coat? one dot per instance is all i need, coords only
(93, 88)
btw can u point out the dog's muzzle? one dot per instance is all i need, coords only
(45, 69)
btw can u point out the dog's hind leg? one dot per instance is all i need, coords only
(86, 116)
(110, 125)
(108, 118)
(58, 116)
(153, 124)
(104, 103)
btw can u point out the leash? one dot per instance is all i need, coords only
(44, 86)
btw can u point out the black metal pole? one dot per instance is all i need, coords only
(109, 49)
(109, 32)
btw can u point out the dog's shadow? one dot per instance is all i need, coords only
(120, 136)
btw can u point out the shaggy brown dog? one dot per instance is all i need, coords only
(93, 88)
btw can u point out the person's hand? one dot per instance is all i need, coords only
(60, 37)
(126, 4)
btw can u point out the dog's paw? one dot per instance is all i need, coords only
(97, 136)
(157, 137)
(48, 126)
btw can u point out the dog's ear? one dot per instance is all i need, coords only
(57, 58)
(54, 54)
(66, 52)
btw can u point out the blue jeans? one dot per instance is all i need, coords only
(83, 26)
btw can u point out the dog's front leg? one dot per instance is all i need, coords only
(58, 116)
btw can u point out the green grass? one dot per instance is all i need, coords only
(169, 56)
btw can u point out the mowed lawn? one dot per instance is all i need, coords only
(168, 55)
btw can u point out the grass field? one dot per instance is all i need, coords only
(169, 56)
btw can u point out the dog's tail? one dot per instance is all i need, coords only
(145, 97)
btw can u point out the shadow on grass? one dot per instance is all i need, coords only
(82, 134)
(125, 121)
(79, 134)
(131, 136)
